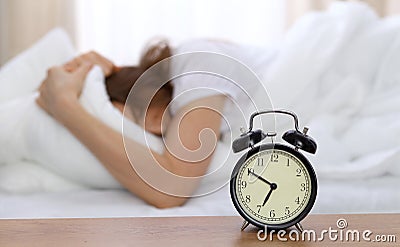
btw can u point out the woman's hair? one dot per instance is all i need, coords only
(119, 83)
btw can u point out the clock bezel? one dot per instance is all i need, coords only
(297, 154)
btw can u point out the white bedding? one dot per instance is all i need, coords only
(339, 71)
(373, 195)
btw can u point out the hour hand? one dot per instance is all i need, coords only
(258, 176)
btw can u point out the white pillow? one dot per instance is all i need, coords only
(30, 134)
(24, 73)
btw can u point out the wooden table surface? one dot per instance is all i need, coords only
(180, 231)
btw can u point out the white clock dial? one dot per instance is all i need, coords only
(273, 186)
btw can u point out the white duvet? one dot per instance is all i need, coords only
(338, 70)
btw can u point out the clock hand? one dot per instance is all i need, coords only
(273, 187)
(259, 177)
(267, 197)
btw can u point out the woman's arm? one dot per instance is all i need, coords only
(182, 142)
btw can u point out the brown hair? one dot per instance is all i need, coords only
(119, 83)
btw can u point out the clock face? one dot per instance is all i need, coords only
(274, 186)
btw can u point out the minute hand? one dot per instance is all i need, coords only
(267, 197)
(259, 177)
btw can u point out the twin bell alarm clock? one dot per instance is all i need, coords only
(273, 185)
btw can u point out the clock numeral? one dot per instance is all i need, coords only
(288, 162)
(248, 200)
(272, 213)
(274, 157)
(260, 162)
(287, 211)
(298, 172)
(244, 184)
(259, 208)
(302, 187)
(297, 200)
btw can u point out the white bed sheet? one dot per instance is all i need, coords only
(334, 196)
(331, 65)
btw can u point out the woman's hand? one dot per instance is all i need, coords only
(61, 88)
(93, 57)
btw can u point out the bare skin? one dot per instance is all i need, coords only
(59, 95)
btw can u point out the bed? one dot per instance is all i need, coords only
(355, 117)
(362, 196)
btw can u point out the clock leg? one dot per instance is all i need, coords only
(299, 227)
(244, 225)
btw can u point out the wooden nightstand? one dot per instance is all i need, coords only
(182, 231)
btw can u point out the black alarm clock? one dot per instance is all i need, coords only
(273, 185)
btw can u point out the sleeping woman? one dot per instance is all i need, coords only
(190, 126)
